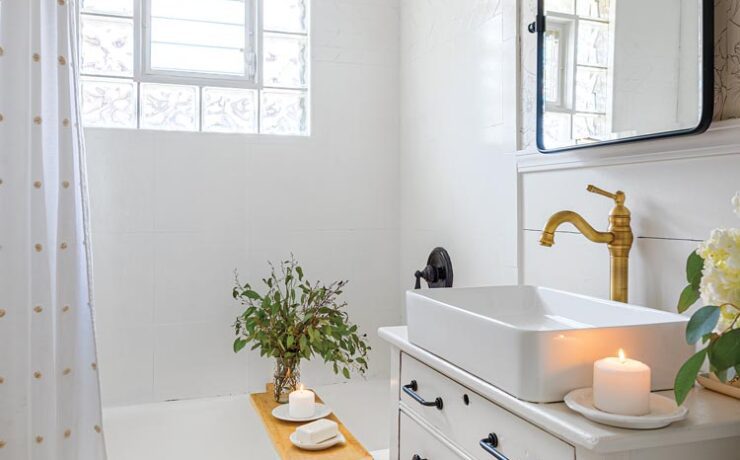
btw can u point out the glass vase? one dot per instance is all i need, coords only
(286, 378)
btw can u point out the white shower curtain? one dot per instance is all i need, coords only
(49, 392)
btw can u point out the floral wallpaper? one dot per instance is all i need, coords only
(726, 66)
(528, 75)
(726, 59)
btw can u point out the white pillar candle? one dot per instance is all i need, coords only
(301, 403)
(622, 386)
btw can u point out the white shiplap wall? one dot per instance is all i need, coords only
(676, 197)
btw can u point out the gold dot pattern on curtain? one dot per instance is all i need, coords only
(43, 181)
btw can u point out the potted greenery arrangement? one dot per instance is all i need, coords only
(713, 274)
(294, 319)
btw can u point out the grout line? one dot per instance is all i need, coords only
(636, 237)
(667, 239)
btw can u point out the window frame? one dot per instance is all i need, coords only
(571, 23)
(565, 50)
(252, 79)
(143, 74)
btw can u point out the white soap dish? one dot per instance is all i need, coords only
(282, 412)
(663, 411)
(331, 442)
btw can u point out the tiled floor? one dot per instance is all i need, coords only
(227, 428)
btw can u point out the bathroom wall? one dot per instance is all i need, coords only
(458, 135)
(674, 203)
(175, 213)
(434, 116)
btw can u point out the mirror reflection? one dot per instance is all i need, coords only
(615, 69)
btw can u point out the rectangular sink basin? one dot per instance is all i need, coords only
(538, 344)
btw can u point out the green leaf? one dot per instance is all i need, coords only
(725, 352)
(694, 267)
(239, 344)
(251, 294)
(687, 376)
(689, 296)
(297, 318)
(701, 323)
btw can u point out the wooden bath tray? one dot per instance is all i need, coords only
(280, 432)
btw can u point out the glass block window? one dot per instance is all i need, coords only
(235, 66)
(576, 79)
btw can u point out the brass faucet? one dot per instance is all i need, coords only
(618, 239)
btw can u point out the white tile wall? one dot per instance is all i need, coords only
(194, 275)
(122, 177)
(126, 362)
(124, 278)
(190, 362)
(175, 213)
(458, 120)
(199, 183)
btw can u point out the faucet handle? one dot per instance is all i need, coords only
(617, 197)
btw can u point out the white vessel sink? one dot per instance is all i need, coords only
(538, 344)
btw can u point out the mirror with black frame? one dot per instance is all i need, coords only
(612, 71)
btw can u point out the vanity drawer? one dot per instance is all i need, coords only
(466, 418)
(416, 440)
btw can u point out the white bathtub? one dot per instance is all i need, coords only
(227, 428)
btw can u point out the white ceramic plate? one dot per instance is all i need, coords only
(338, 439)
(281, 413)
(663, 411)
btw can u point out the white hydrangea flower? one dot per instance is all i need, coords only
(720, 283)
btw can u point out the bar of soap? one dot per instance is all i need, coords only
(315, 432)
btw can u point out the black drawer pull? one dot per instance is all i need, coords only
(411, 389)
(490, 444)
(417, 457)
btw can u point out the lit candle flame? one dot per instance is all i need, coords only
(622, 358)
(301, 387)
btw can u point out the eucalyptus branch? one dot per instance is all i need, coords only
(297, 319)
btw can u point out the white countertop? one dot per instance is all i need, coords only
(711, 415)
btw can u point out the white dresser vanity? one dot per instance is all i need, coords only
(472, 409)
